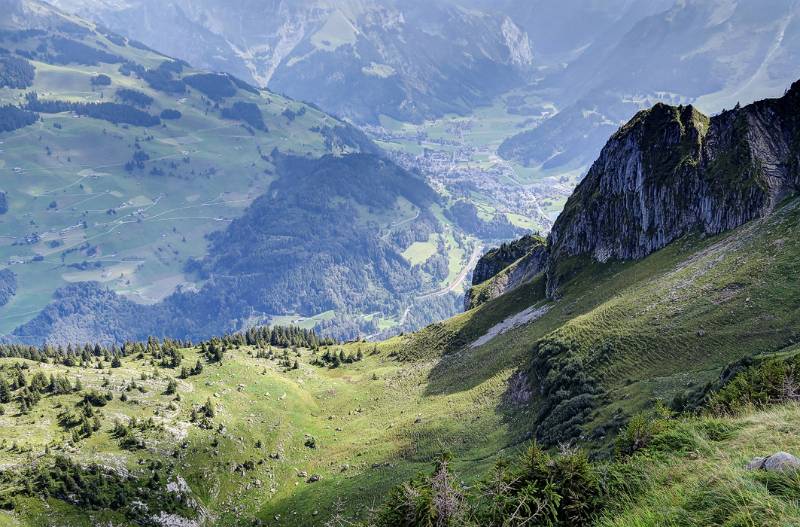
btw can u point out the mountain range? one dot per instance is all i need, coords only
(358, 60)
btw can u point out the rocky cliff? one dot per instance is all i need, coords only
(671, 171)
(506, 267)
(668, 172)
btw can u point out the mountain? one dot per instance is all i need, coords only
(672, 171)
(713, 54)
(131, 180)
(669, 354)
(560, 31)
(408, 60)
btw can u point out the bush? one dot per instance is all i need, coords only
(539, 489)
(425, 501)
(642, 429)
(769, 382)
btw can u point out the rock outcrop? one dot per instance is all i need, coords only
(505, 268)
(668, 172)
(671, 171)
(778, 462)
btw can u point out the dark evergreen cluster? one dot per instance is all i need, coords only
(284, 337)
(242, 85)
(94, 487)
(8, 285)
(163, 352)
(13, 118)
(137, 161)
(15, 386)
(131, 436)
(134, 97)
(247, 112)
(335, 359)
(68, 51)
(291, 115)
(161, 78)
(114, 38)
(336, 260)
(107, 111)
(465, 215)
(170, 114)
(215, 86)
(16, 72)
(101, 80)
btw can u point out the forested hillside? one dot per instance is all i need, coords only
(131, 180)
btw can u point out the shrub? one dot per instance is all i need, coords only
(642, 429)
(769, 382)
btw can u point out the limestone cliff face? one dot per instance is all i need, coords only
(505, 268)
(671, 171)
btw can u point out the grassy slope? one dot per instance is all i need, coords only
(700, 478)
(374, 403)
(647, 329)
(674, 320)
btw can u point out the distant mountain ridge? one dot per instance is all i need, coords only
(356, 59)
(710, 53)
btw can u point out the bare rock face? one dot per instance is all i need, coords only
(505, 268)
(778, 462)
(671, 171)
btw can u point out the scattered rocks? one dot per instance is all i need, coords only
(314, 478)
(779, 462)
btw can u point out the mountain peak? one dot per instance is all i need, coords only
(671, 171)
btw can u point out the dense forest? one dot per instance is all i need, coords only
(13, 118)
(8, 285)
(15, 72)
(215, 86)
(108, 111)
(333, 259)
(247, 112)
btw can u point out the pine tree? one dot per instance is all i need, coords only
(5, 391)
